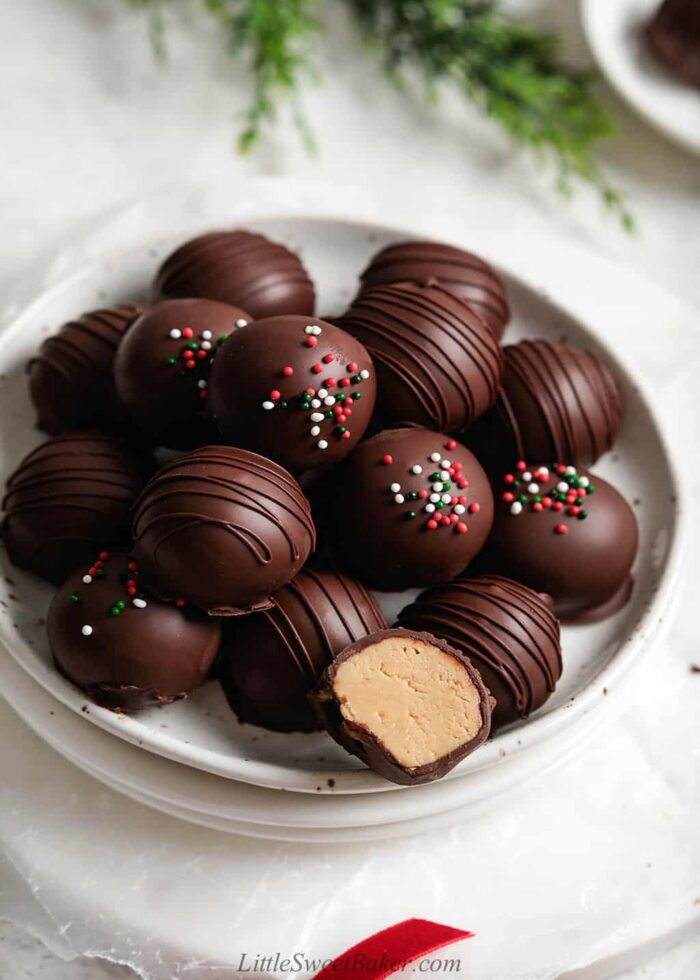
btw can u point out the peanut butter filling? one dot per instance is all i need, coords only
(418, 701)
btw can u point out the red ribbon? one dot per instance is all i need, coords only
(390, 950)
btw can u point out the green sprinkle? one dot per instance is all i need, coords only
(447, 486)
(100, 573)
(171, 360)
(582, 515)
(413, 495)
(522, 498)
(439, 505)
(115, 611)
(283, 404)
(434, 476)
(356, 395)
(193, 345)
(340, 429)
(536, 499)
(410, 515)
(328, 414)
(356, 379)
(590, 489)
(341, 397)
(74, 597)
(121, 604)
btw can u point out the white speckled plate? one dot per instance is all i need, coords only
(614, 32)
(201, 732)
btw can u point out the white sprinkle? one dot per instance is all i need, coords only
(434, 497)
(434, 457)
(516, 507)
(570, 470)
(315, 402)
(322, 444)
(459, 508)
(86, 630)
(533, 488)
(446, 498)
(542, 475)
(395, 487)
(202, 383)
(430, 508)
(330, 400)
(309, 329)
(399, 498)
(322, 393)
(206, 334)
(176, 334)
(140, 603)
(315, 430)
(437, 485)
(417, 469)
(205, 345)
(316, 331)
(562, 487)
(445, 464)
(584, 481)
(317, 416)
(268, 406)
(527, 477)
(364, 374)
(444, 475)
(87, 579)
(241, 322)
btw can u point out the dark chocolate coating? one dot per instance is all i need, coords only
(556, 402)
(673, 35)
(68, 496)
(70, 379)
(241, 268)
(373, 533)
(437, 362)
(360, 742)
(509, 633)
(257, 406)
(168, 401)
(221, 528)
(463, 273)
(585, 568)
(272, 660)
(144, 654)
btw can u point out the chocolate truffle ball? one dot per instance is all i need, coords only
(408, 705)
(410, 507)
(566, 532)
(673, 35)
(221, 528)
(241, 268)
(295, 389)
(437, 362)
(162, 368)
(65, 498)
(463, 273)
(70, 379)
(508, 632)
(556, 402)
(273, 659)
(123, 648)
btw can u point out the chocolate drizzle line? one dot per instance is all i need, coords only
(87, 343)
(272, 484)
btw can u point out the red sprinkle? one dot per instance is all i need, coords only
(453, 518)
(132, 566)
(537, 506)
(188, 332)
(451, 444)
(104, 555)
(507, 498)
(202, 354)
(546, 501)
(311, 391)
(560, 468)
(188, 355)
(351, 368)
(431, 524)
(344, 382)
(275, 395)
(508, 478)
(92, 570)
(462, 528)
(330, 383)
(422, 494)
(560, 529)
(461, 500)
(287, 371)
(190, 364)
(387, 460)
(521, 465)
(317, 368)
(327, 358)
(346, 434)
(180, 603)
(474, 508)
(311, 341)
(574, 511)
(445, 521)
(557, 505)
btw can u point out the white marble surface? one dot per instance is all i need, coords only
(89, 122)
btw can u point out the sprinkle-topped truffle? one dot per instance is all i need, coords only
(565, 532)
(221, 528)
(64, 498)
(463, 273)
(297, 390)
(125, 649)
(437, 363)
(411, 507)
(162, 368)
(241, 268)
(70, 379)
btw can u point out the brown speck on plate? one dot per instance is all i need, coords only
(9, 581)
(330, 783)
(695, 668)
(605, 690)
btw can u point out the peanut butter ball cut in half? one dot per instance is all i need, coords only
(408, 705)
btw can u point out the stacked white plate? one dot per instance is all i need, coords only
(193, 759)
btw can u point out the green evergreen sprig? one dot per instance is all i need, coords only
(512, 71)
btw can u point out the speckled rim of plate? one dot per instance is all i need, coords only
(357, 780)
